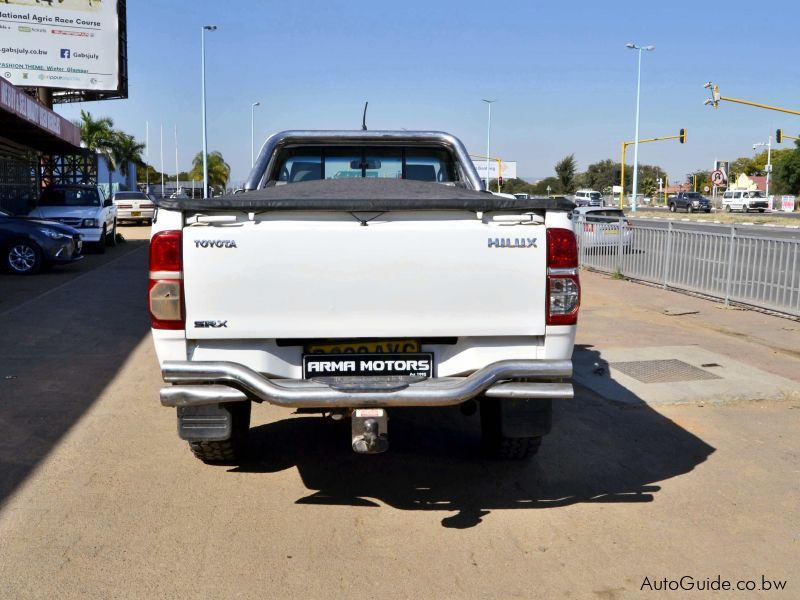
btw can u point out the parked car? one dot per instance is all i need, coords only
(599, 227)
(588, 198)
(134, 206)
(690, 202)
(744, 200)
(83, 207)
(398, 316)
(29, 245)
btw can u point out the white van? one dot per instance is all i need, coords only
(588, 198)
(744, 200)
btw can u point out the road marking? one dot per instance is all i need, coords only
(66, 283)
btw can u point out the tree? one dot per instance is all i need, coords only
(565, 171)
(218, 170)
(126, 149)
(540, 188)
(703, 179)
(514, 186)
(649, 187)
(787, 173)
(98, 136)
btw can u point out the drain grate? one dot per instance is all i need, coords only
(662, 371)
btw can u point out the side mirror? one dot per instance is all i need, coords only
(108, 202)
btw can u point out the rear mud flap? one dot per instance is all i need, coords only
(208, 423)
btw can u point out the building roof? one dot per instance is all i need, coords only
(29, 124)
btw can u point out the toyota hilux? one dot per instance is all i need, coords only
(360, 273)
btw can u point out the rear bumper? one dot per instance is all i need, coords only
(200, 383)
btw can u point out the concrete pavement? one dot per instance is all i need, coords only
(100, 498)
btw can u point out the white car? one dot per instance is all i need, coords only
(83, 207)
(602, 227)
(744, 200)
(355, 297)
(588, 198)
(134, 206)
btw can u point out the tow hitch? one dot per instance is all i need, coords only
(370, 430)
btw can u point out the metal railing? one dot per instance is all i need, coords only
(728, 264)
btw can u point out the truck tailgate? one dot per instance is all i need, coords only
(325, 275)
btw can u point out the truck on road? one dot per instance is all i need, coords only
(363, 272)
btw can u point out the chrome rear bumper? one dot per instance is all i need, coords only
(232, 382)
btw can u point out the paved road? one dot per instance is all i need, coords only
(754, 216)
(98, 497)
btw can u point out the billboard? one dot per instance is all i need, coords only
(69, 45)
(509, 168)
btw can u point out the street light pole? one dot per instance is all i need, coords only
(203, 84)
(252, 141)
(636, 138)
(768, 144)
(488, 138)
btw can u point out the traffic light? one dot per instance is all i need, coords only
(682, 136)
(500, 181)
(779, 136)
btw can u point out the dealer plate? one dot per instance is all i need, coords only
(379, 364)
(377, 346)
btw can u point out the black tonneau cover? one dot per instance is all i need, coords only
(363, 195)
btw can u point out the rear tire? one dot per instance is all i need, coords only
(497, 445)
(689, 209)
(672, 208)
(232, 449)
(727, 208)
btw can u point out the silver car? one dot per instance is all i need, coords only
(134, 206)
(602, 227)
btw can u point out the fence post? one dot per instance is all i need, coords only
(668, 254)
(619, 247)
(729, 278)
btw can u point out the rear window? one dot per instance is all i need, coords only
(70, 197)
(604, 215)
(419, 164)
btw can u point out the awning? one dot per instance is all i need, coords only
(24, 121)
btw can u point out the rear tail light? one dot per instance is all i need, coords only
(124, 205)
(563, 285)
(145, 205)
(166, 281)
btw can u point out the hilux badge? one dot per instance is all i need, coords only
(512, 242)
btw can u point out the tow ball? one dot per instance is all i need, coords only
(370, 430)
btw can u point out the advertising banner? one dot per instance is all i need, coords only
(70, 44)
(509, 169)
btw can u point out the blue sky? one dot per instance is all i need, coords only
(563, 79)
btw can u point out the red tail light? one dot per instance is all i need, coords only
(166, 281)
(563, 285)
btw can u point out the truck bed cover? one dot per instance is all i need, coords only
(364, 195)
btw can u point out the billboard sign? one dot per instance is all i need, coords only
(509, 168)
(72, 44)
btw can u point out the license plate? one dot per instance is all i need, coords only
(611, 231)
(416, 364)
(374, 347)
(136, 213)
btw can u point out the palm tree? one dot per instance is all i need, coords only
(98, 136)
(218, 170)
(126, 150)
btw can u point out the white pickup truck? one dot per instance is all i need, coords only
(363, 272)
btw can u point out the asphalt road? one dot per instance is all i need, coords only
(100, 499)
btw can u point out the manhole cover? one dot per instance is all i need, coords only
(662, 371)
